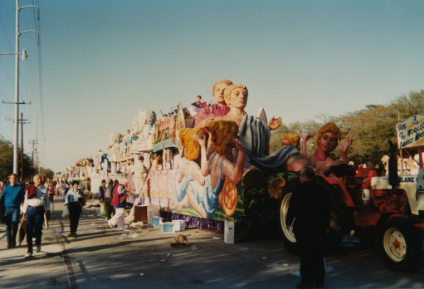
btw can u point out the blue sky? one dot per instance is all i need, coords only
(102, 62)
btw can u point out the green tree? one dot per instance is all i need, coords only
(6, 163)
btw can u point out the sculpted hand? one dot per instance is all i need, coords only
(238, 144)
(309, 135)
(343, 147)
(201, 141)
(303, 145)
(206, 122)
(275, 123)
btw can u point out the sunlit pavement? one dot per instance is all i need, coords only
(142, 257)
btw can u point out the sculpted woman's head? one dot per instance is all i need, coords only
(218, 90)
(328, 137)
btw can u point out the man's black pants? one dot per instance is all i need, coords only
(311, 251)
(74, 215)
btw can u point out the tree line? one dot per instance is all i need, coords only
(371, 127)
(6, 164)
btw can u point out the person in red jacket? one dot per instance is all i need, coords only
(119, 200)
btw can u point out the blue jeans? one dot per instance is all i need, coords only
(34, 222)
(12, 223)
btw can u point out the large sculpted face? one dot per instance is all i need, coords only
(135, 124)
(146, 116)
(114, 138)
(218, 93)
(327, 142)
(238, 98)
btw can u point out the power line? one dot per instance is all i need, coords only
(8, 137)
(5, 33)
(10, 49)
(7, 74)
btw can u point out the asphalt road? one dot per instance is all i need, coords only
(143, 258)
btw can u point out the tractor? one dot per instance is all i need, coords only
(386, 211)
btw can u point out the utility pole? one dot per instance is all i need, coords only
(22, 121)
(17, 103)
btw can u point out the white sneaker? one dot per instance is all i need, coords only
(28, 255)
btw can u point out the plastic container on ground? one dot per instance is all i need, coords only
(179, 225)
(167, 227)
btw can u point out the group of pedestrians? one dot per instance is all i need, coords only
(33, 202)
(113, 200)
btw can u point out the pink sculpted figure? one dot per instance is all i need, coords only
(328, 138)
(207, 114)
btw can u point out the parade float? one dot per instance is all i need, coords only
(205, 169)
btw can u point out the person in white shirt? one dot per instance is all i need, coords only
(35, 206)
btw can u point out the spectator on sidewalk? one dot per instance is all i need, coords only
(13, 196)
(73, 200)
(108, 199)
(102, 192)
(62, 190)
(36, 204)
(119, 201)
(51, 191)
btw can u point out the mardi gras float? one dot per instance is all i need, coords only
(205, 168)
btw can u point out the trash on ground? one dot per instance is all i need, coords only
(120, 238)
(245, 249)
(273, 265)
(264, 258)
(193, 248)
(137, 224)
(295, 273)
(141, 274)
(329, 269)
(216, 238)
(163, 260)
(133, 235)
(286, 265)
(169, 255)
(179, 241)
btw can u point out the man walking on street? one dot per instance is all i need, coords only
(310, 210)
(35, 205)
(13, 195)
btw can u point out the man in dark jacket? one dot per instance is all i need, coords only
(309, 213)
